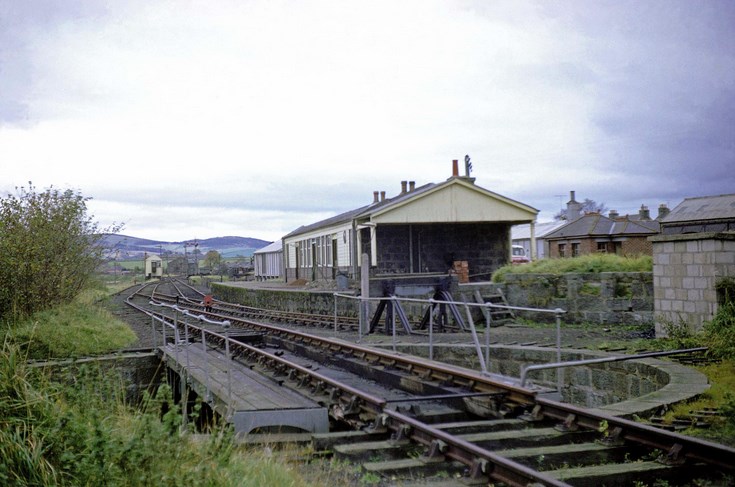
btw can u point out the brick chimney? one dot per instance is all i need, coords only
(411, 186)
(663, 210)
(455, 168)
(382, 196)
(613, 215)
(403, 187)
(574, 208)
(375, 196)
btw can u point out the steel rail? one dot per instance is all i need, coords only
(480, 460)
(674, 445)
(676, 448)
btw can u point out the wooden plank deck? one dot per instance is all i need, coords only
(246, 398)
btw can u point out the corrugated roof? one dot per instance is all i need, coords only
(718, 207)
(520, 232)
(596, 225)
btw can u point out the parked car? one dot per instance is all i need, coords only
(519, 255)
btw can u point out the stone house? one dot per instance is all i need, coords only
(693, 254)
(421, 231)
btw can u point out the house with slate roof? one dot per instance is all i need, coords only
(422, 231)
(594, 233)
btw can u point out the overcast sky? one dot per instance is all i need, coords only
(197, 119)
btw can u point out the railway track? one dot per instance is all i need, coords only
(407, 418)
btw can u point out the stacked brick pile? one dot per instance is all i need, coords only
(462, 270)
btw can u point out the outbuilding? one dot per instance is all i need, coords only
(269, 261)
(693, 262)
(424, 230)
(153, 266)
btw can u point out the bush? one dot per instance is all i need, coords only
(719, 334)
(48, 250)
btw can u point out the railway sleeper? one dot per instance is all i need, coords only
(631, 473)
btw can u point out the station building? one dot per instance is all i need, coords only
(422, 231)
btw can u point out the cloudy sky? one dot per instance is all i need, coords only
(195, 119)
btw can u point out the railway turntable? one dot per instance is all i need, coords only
(248, 399)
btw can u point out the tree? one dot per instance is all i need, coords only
(48, 249)
(587, 206)
(212, 260)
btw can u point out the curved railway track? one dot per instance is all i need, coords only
(418, 416)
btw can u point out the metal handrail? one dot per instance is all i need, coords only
(619, 358)
(484, 361)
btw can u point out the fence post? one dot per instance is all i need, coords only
(431, 329)
(334, 296)
(393, 319)
(559, 372)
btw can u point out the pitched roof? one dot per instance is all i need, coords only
(720, 207)
(273, 247)
(350, 215)
(396, 201)
(596, 225)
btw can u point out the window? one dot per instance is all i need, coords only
(575, 249)
(602, 247)
(562, 250)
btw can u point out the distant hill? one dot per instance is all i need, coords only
(132, 247)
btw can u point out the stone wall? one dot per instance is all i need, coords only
(299, 301)
(622, 388)
(685, 271)
(138, 371)
(606, 297)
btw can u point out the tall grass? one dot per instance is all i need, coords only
(584, 264)
(71, 330)
(79, 431)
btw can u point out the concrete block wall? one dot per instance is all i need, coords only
(485, 247)
(685, 271)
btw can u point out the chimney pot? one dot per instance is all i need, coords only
(663, 210)
(382, 196)
(375, 196)
(403, 186)
(571, 196)
(455, 168)
(613, 214)
(411, 185)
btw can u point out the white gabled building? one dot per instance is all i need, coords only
(153, 266)
(421, 231)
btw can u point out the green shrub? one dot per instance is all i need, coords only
(719, 333)
(584, 264)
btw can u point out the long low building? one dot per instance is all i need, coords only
(422, 230)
